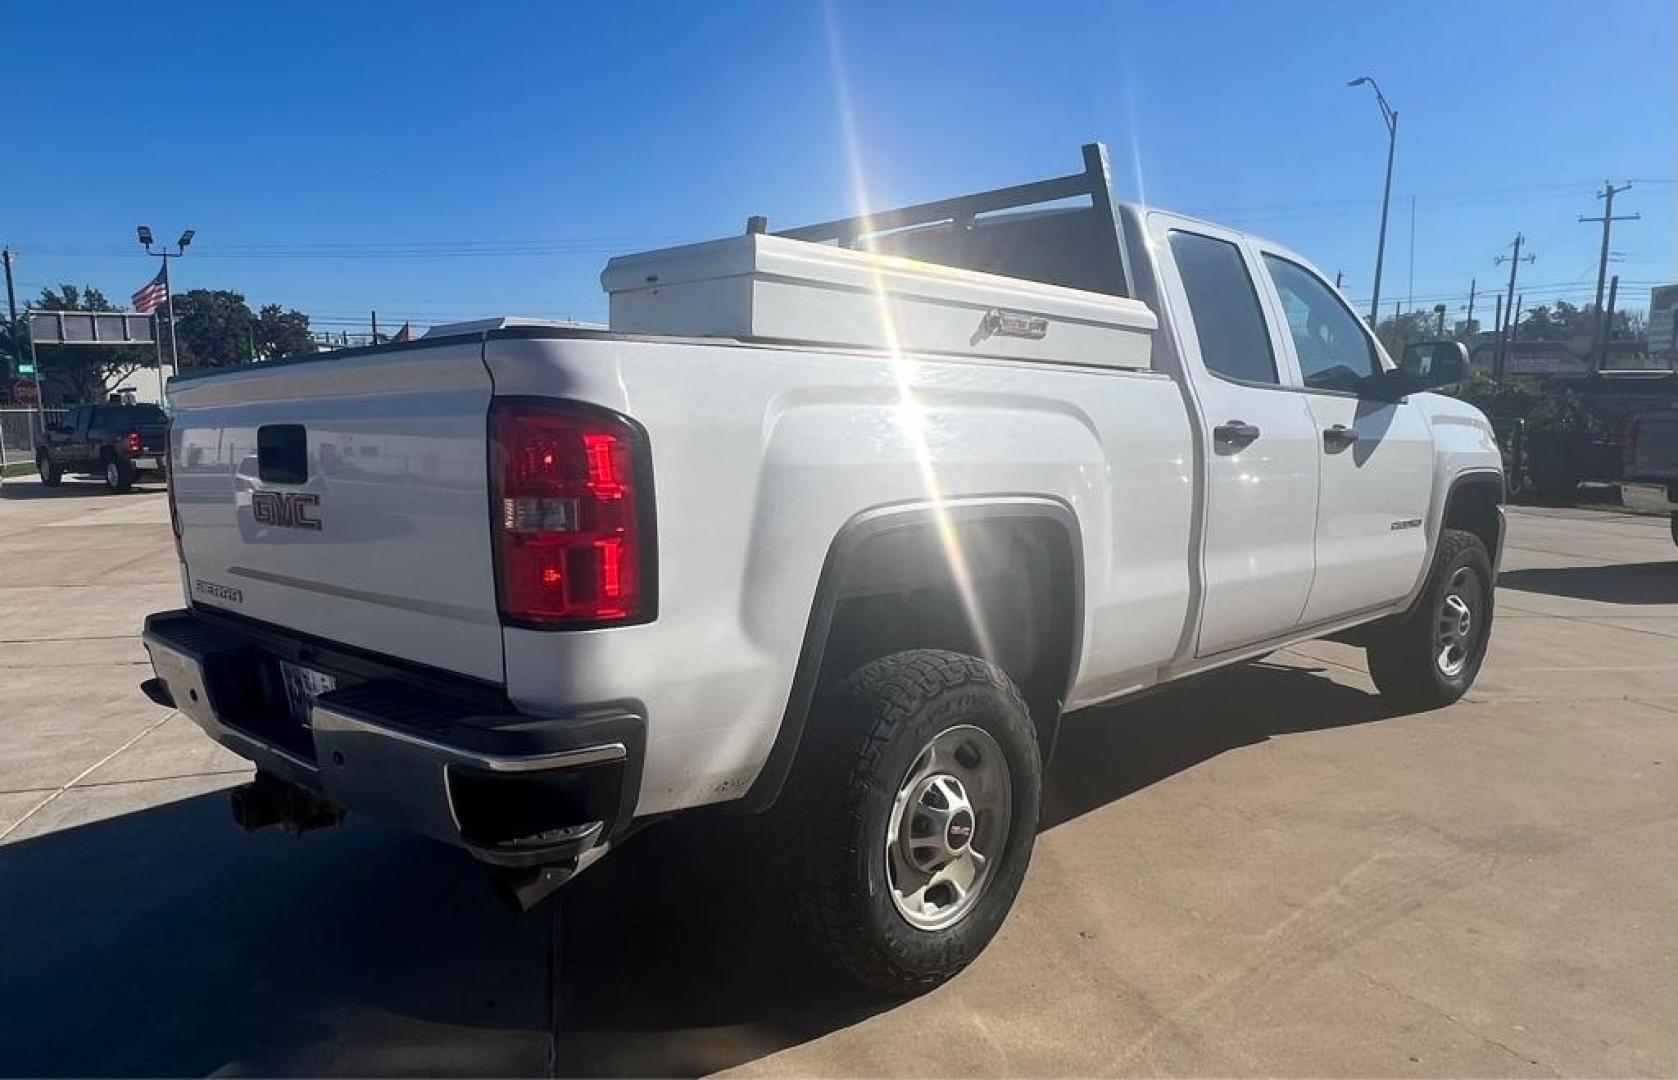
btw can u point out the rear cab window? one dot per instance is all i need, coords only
(132, 415)
(1228, 320)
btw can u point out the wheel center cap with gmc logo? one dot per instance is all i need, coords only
(959, 833)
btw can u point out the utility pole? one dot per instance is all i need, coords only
(1439, 310)
(1608, 320)
(1339, 275)
(11, 296)
(375, 340)
(1509, 308)
(1497, 329)
(1468, 324)
(1410, 263)
(1599, 343)
(1515, 323)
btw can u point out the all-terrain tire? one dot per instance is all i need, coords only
(1431, 656)
(50, 473)
(865, 735)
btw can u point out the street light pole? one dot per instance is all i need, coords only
(1390, 116)
(144, 233)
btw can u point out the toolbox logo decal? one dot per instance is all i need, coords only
(286, 509)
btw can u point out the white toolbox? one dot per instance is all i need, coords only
(763, 287)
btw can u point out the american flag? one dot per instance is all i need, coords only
(151, 296)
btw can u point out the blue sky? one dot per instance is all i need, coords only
(438, 161)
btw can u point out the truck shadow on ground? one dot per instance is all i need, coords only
(677, 961)
(31, 488)
(165, 942)
(1615, 583)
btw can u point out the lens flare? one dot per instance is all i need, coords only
(910, 414)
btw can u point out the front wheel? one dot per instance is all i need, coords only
(908, 823)
(1430, 657)
(50, 473)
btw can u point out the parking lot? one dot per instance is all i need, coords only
(1264, 872)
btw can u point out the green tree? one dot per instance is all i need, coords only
(215, 326)
(1397, 331)
(282, 333)
(85, 372)
(1574, 324)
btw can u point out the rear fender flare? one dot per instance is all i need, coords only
(852, 536)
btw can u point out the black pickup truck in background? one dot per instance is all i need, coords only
(1651, 449)
(117, 442)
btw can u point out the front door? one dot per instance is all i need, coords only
(1377, 456)
(1259, 441)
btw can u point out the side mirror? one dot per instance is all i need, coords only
(1427, 364)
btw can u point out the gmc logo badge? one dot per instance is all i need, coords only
(286, 509)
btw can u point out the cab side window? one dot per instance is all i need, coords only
(1334, 351)
(1227, 318)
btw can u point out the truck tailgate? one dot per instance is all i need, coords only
(346, 498)
(1653, 453)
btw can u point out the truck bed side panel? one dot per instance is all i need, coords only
(760, 457)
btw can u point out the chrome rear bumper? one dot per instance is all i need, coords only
(512, 789)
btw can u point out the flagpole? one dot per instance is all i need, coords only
(157, 340)
(169, 298)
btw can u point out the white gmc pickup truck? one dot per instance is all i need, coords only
(833, 523)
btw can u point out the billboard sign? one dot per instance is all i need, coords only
(90, 328)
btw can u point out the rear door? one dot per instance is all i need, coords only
(1377, 456)
(80, 452)
(1259, 439)
(61, 444)
(346, 498)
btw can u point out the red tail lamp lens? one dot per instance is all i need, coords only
(568, 514)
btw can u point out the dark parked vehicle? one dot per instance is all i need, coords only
(117, 442)
(1651, 447)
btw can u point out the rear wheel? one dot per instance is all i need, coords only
(1430, 657)
(119, 475)
(50, 473)
(908, 823)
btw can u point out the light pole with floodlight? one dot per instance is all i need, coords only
(144, 233)
(1390, 115)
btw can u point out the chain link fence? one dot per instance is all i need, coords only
(20, 431)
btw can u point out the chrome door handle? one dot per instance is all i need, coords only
(1235, 433)
(1339, 437)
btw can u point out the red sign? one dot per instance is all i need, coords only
(26, 391)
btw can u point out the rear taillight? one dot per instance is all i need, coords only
(133, 442)
(572, 508)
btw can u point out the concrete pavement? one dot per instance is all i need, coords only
(1264, 872)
